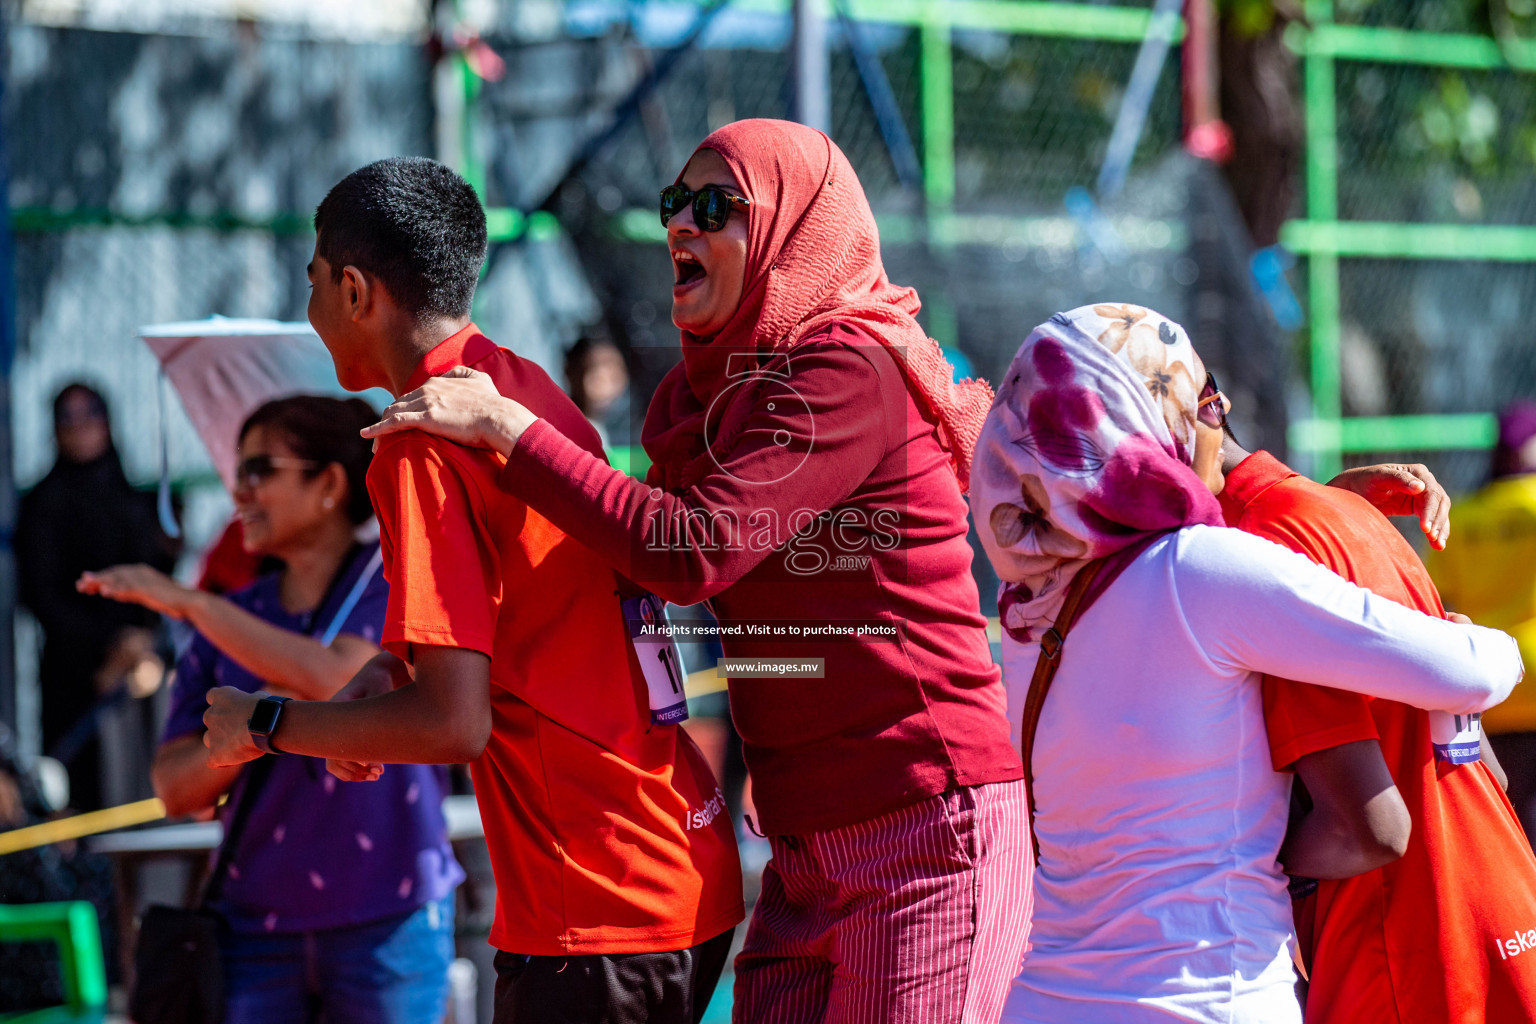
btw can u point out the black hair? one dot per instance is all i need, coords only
(324, 430)
(98, 403)
(412, 223)
(597, 335)
(585, 346)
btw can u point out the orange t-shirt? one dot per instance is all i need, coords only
(1446, 934)
(607, 834)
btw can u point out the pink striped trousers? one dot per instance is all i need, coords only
(919, 916)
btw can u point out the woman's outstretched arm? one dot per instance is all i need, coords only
(293, 664)
(1252, 605)
(803, 450)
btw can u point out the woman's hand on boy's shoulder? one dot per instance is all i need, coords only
(462, 406)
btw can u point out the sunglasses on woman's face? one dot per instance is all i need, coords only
(1211, 409)
(257, 469)
(711, 205)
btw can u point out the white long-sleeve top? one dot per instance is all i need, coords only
(1159, 818)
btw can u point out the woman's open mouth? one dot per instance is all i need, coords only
(687, 271)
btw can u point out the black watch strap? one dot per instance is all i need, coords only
(264, 720)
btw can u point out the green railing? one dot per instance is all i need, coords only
(1325, 240)
(1322, 238)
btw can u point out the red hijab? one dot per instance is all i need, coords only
(813, 260)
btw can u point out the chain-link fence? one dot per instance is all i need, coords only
(1435, 145)
(1435, 139)
(161, 178)
(158, 178)
(1456, 16)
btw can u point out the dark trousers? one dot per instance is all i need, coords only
(1516, 752)
(624, 988)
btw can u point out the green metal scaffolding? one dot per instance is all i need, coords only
(1324, 240)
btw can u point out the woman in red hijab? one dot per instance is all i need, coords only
(810, 454)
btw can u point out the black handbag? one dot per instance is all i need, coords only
(178, 978)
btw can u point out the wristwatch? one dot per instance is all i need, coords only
(263, 723)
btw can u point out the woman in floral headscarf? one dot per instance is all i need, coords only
(1158, 818)
(810, 452)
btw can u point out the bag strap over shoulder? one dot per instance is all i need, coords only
(256, 774)
(1079, 599)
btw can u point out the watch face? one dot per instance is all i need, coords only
(264, 717)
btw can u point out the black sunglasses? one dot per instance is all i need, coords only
(257, 469)
(711, 205)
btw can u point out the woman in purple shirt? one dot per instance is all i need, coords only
(339, 899)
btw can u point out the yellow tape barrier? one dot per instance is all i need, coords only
(79, 826)
(703, 682)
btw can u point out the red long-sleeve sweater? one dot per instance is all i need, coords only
(834, 504)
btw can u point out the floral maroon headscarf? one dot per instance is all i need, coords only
(1086, 450)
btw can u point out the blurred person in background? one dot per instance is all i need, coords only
(340, 900)
(227, 565)
(1488, 573)
(808, 395)
(84, 515)
(597, 379)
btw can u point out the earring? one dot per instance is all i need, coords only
(329, 503)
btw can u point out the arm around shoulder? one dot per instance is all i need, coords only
(1253, 605)
(814, 432)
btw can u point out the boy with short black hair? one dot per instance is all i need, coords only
(505, 647)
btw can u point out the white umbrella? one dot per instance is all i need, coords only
(224, 368)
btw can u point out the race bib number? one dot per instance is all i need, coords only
(1458, 739)
(659, 661)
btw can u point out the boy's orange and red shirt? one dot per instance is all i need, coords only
(591, 813)
(1437, 934)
